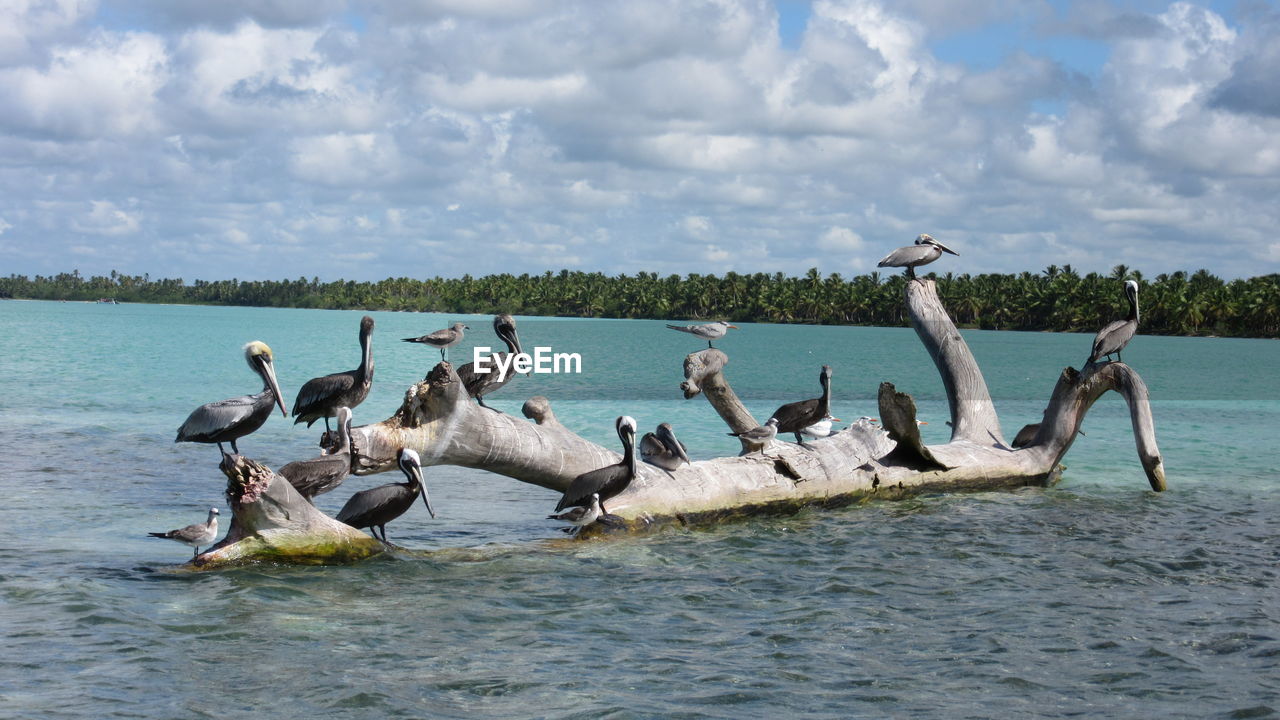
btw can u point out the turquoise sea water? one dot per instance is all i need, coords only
(1094, 598)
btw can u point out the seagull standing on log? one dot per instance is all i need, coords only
(321, 397)
(194, 535)
(708, 332)
(609, 480)
(924, 251)
(231, 419)
(1112, 338)
(443, 339)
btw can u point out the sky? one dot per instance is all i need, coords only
(272, 139)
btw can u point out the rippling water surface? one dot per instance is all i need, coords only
(1094, 598)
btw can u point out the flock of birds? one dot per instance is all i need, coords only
(583, 503)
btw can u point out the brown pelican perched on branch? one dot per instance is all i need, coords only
(228, 420)
(194, 535)
(1112, 338)
(321, 397)
(443, 339)
(608, 480)
(923, 252)
(795, 417)
(662, 449)
(479, 384)
(376, 507)
(708, 332)
(326, 472)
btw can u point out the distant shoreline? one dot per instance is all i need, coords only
(1055, 300)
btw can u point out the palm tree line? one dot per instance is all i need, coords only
(1056, 299)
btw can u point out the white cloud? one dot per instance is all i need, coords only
(665, 135)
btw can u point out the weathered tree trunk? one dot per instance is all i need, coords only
(439, 421)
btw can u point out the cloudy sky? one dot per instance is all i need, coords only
(267, 139)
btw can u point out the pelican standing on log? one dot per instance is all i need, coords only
(321, 397)
(923, 252)
(708, 332)
(479, 384)
(609, 480)
(1112, 338)
(443, 339)
(662, 449)
(194, 535)
(321, 474)
(376, 507)
(230, 419)
(795, 417)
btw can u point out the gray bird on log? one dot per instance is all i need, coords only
(376, 507)
(708, 332)
(923, 252)
(479, 384)
(795, 417)
(443, 339)
(760, 435)
(228, 420)
(582, 515)
(321, 474)
(662, 449)
(321, 397)
(609, 480)
(194, 535)
(820, 429)
(1111, 339)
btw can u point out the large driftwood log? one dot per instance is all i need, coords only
(438, 420)
(860, 461)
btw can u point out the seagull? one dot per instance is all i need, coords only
(1112, 338)
(760, 435)
(194, 535)
(581, 515)
(708, 332)
(820, 429)
(923, 252)
(443, 339)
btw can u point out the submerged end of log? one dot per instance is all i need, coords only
(271, 522)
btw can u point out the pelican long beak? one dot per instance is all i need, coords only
(942, 247)
(515, 340)
(269, 374)
(426, 498)
(673, 445)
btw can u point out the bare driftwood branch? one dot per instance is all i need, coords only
(437, 420)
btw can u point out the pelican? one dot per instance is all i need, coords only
(194, 535)
(326, 472)
(796, 416)
(479, 384)
(925, 251)
(608, 480)
(1112, 338)
(662, 449)
(820, 429)
(708, 332)
(760, 435)
(581, 515)
(321, 397)
(376, 507)
(443, 339)
(218, 422)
